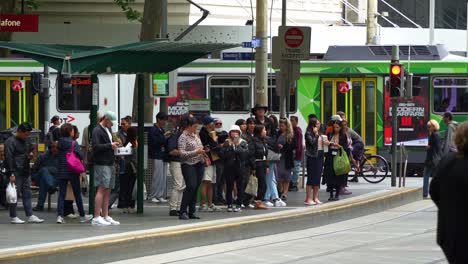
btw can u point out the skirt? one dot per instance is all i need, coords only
(314, 169)
(284, 174)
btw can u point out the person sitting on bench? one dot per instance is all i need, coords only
(46, 172)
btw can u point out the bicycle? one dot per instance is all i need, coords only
(373, 168)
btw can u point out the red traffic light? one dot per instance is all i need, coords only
(396, 69)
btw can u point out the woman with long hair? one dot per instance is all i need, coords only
(314, 154)
(259, 151)
(285, 143)
(338, 139)
(433, 154)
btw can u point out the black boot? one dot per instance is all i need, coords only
(337, 195)
(331, 196)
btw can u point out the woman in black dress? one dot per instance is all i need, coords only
(314, 154)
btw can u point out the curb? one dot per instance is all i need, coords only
(161, 240)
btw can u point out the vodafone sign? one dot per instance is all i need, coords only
(19, 23)
(294, 43)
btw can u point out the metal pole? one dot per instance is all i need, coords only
(467, 30)
(45, 96)
(431, 21)
(371, 22)
(164, 19)
(261, 54)
(287, 90)
(92, 124)
(395, 57)
(141, 141)
(284, 80)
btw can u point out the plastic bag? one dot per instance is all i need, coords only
(341, 163)
(252, 186)
(11, 195)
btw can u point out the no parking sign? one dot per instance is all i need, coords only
(17, 85)
(344, 87)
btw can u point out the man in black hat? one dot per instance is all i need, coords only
(259, 112)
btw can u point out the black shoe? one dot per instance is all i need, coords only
(173, 213)
(284, 198)
(38, 209)
(355, 179)
(184, 216)
(337, 198)
(192, 216)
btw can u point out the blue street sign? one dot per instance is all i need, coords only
(247, 44)
(238, 56)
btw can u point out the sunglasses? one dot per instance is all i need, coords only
(218, 124)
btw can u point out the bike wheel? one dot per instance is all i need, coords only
(374, 169)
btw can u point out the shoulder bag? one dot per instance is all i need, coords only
(74, 164)
(341, 163)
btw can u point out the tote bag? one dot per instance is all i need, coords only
(74, 164)
(341, 163)
(252, 186)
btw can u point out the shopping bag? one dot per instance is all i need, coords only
(252, 186)
(74, 164)
(341, 163)
(69, 195)
(11, 195)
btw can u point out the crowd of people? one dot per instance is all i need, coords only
(207, 163)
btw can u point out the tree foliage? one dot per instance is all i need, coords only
(130, 13)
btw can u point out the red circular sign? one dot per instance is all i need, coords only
(16, 85)
(343, 87)
(294, 37)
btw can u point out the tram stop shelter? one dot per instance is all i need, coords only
(159, 56)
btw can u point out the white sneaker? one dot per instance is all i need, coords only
(111, 221)
(72, 216)
(251, 206)
(131, 210)
(35, 220)
(213, 208)
(99, 221)
(162, 200)
(86, 218)
(155, 200)
(16, 220)
(278, 203)
(60, 220)
(283, 203)
(268, 204)
(203, 208)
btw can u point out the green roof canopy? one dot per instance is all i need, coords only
(138, 57)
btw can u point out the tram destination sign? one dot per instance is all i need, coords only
(19, 23)
(294, 43)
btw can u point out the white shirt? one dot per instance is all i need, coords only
(108, 133)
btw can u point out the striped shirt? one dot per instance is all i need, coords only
(188, 145)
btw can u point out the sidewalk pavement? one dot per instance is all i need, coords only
(155, 216)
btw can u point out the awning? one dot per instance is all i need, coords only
(138, 57)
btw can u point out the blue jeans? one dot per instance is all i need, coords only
(296, 171)
(23, 187)
(271, 191)
(426, 175)
(46, 181)
(76, 187)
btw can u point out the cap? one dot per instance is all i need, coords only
(208, 120)
(110, 115)
(54, 119)
(336, 118)
(235, 128)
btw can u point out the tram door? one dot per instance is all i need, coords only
(19, 106)
(359, 105)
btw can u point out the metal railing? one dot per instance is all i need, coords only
(402, 166)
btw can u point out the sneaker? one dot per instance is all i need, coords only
(203, 208)
(38, 208)
(242, 206)
(124, 210)
(229, 208)
(283, 204)
(72, 216)
(345, 191)
(184, 216)
(111, 221)
(162, 200)
(268, 204)
(99, 221)
(251, 206)
(60, 220)
(16, 220)
(35, 220)
(155, 200)
(278, 203)
(284, 198)
(213, 208)
(173, 213)
(237, 209)
(86, 218)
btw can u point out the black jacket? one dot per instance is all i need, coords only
(312, 142)
(288, 152)
(207, 140)
(64, 146)
(102, 147)
(434, 152)
(17, 156)
(268, 126)
(156, 143)
(258, 151)
(448, 191)
(235, 157)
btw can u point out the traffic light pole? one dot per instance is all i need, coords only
(395, 58)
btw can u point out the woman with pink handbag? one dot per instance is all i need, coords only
(69, 170)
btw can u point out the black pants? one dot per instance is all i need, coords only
(68, 207)
(220, 180)
(234, 174)
(193, 175)
(246, 177)
(260, 172)
(127, 183)
(76, 187)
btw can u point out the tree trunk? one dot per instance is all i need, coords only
(6, 7)
(150, 30)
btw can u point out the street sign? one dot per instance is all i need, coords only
(294, 43)
(17, 85)
(344, 87)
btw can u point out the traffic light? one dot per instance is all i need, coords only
(397, 73)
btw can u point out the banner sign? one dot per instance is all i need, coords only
(19, 23)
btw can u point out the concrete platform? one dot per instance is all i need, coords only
(156, 232)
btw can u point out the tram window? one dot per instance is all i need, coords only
(450, 95)
(230, 94)
(370, 113)
(327, 91)
(273, 99)
(3, 105)
(78, 98)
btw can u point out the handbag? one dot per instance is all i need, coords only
(74, 164)
(252, 186)
(273, 156)
(341, 163)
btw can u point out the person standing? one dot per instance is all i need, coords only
(248, 136)
(121, 136)
(448, 191)
(128, 178)
(259, 112)
(104, 170)
(433, 154)
(18, 154)
(218, 189)
(314, 153)
(259, 151)
(192, 157)
(298, 154)
(53, 135)
(285, 143)
(178, 182)
(357, 145)
(157, 153)
(449, 142)
(235, 153)
(68, 145)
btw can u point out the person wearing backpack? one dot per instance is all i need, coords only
(449, 142)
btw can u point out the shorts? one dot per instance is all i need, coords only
(210, 174)
(104, 176)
